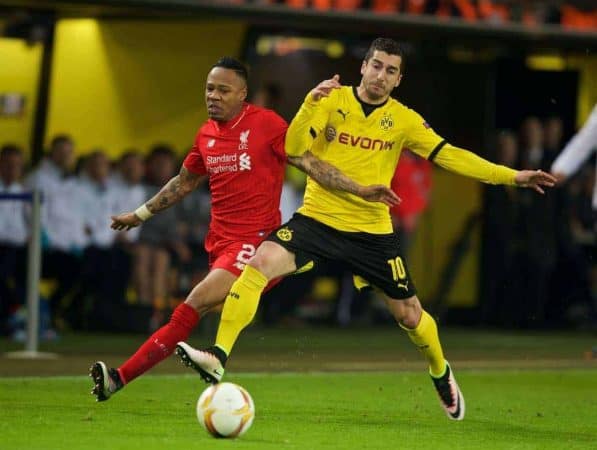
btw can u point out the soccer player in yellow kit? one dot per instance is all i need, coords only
(361, 131)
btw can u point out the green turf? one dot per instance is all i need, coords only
(505, 410)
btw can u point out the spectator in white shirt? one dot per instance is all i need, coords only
(13, 233)
(102, 276)
(63, 234)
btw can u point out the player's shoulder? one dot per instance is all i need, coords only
(266, 117)
(405, 113)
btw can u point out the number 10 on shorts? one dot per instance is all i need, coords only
(398, 270)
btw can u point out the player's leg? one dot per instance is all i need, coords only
(422, 331)
(271, 261)
(209, 292)
(378, 261)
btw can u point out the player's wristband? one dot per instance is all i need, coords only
(143, 212)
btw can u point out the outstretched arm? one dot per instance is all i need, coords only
(332, 178)
(172, 192)
(467, 163)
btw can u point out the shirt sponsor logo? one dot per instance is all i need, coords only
(364, 142)
(244, 161)
(228, 163)
(244, 140)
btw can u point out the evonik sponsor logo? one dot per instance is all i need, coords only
(364, 142)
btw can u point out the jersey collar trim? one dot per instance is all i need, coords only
(234, 121)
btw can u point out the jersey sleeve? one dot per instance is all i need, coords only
(193, 162)
(464, 162)
(421, 139)
(308, 123)
(425, 142)
(277, 128)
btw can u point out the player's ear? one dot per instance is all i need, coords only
(398, 81)
(363, 67)
(243, 93)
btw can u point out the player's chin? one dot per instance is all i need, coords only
(215, 115)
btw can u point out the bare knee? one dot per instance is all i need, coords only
(272, 260)
(406, 312)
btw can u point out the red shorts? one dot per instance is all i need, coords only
(234, 255)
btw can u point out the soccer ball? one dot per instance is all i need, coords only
(225, 410)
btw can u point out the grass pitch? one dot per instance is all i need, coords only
(506, 409)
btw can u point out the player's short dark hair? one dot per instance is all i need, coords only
(228, 62)
(390, 46)
(10, 150)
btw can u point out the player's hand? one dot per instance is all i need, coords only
(560, 177)
(534, 179)
(324, 88)
(379, 193)
(125, 221)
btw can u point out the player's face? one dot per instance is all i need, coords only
(225, 93)
(381, 75)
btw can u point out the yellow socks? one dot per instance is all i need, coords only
(240, 307)
(425, 337)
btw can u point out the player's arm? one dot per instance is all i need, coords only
(578, 150)
(172, 192)
(426, 143)
(332, 178)
(466, 163)
(311, 118)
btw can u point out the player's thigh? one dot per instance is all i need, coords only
(212, 290)
(308, 241)
(378, 260)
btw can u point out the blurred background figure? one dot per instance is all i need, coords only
(412, 182)
(63, 231)
(103, 280)
(536, 231)
(159, 242)
(14, 230)
(500, 282)
(577, 152)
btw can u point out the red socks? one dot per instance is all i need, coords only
(161, 344)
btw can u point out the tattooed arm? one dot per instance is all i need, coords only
(333, 179)
(172, 192)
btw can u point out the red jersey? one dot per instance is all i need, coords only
(412, 183)
(244, 159)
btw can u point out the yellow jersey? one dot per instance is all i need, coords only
(366, 148)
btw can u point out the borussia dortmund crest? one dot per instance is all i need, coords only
(284, 234)
(386, 123)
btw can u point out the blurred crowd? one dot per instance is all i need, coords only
(537, 251)
(569, 14)
(538, 266)
(94, 277)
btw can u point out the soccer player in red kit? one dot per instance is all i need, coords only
(240, 149)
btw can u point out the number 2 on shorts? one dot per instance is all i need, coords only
(242, 258)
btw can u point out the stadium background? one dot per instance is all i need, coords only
(130, 74)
